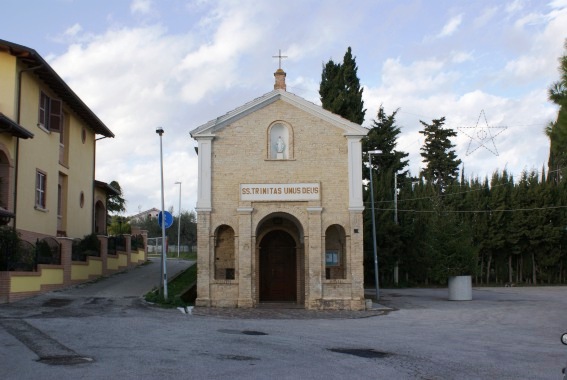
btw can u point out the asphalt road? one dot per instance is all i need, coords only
(98, 331)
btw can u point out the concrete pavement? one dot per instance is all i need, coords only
(504, 333)
(130, 283)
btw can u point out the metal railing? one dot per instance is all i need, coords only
(83, 248)
(21, 255)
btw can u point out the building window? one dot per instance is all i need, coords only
(50, 113)
(332, 258)
(224, 253)
(335, 262)
(40, 189)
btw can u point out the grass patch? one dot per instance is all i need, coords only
(175, 289)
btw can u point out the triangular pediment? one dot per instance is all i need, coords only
(221, 122)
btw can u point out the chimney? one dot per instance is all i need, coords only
(280, 80)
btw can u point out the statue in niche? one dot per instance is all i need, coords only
(280, 145)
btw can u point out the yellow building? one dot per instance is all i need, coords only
(47, 151)
(280, 206)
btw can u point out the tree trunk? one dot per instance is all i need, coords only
(496, 271)
(488, 269)
(534, 278)
(510, 269)
(517, 271)
(479, 275)
(521, 268)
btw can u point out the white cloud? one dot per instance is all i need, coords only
(544, 48)
(139, 77)
(141, 6)
(117, 76)
(558, 3)
(461, 56)
(486, 16)
(451, 26)
(418, 78)
(515, 6)
(73, 30)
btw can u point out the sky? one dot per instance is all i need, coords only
(484, 65)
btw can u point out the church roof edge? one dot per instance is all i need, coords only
(270, 97)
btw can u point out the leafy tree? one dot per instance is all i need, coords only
(119, 225)
(188, 228)
(340, 89)
(441, 160)
(116, 202)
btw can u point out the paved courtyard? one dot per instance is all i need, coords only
(104, 330)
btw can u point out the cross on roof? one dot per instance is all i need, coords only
(280, 56)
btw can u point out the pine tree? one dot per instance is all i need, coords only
(340, 89)
(441, 160)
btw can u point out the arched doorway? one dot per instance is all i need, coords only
(278, 279)
(100, 218)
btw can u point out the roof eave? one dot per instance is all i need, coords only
(213, 125)
(10, 126)
(58, 85)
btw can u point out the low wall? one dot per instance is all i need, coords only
(15, 285)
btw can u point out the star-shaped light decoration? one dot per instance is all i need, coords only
(482, 135)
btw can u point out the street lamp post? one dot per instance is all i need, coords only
(179, 221)
(370, 153)
(159, 131)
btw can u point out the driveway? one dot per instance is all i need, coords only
(95, 331)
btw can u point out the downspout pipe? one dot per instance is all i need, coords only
(104, 231)
(18, 120)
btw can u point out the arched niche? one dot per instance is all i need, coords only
(335, 253)
(224, 253)
(280, 141)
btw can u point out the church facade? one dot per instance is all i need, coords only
(279, 208)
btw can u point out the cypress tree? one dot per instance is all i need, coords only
(438, 153)
(340, 89)
(557, 131)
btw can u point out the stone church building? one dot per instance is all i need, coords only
(279, 209)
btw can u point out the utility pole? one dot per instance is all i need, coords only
(370, 153)
(159, 131)
(396, 268)
(179, 221)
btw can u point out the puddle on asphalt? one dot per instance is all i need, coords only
(368, 353)
(57, 302)
(244, 332)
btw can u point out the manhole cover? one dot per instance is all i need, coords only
(57, 302)
(361, 352)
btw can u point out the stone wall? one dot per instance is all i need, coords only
(319, 154)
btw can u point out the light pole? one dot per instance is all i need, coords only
(159, 131)
(179, 221)
(370, 153)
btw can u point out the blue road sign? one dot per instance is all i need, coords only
(168, 219)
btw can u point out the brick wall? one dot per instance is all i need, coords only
(7, 295)
(240, 154)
